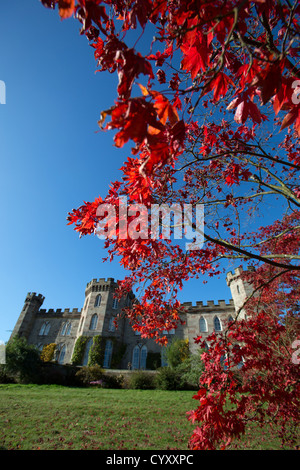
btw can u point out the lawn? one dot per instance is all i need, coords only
(53, 417)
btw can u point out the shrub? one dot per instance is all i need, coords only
(5, 378)
(89, 374)
(47, 353)
(168, 378)
(177, 352)
(22, 361)
(141, 380)
(191, 370)
(113, 381)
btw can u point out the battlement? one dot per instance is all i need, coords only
(33, 296)
(60, 312)
(98, 285)
(236, 273)
(220, 304)
(101, 280)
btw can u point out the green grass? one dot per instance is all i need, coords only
(53, 417)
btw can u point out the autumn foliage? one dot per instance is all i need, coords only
(211, 110)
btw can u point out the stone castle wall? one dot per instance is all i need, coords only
(64, 327)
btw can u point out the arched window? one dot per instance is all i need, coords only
(86, 352)
(217, 324)
(139, 357)
(203, 324)
(94, 321)
(111, 326)
(98, 300)
(45, 329)
(115, 304)
(136, 358)
(107, 354)
(66, 329)
(61, 354)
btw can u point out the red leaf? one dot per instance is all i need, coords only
(66, 8)
(196, 56)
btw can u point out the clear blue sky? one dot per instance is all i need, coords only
(52, 158)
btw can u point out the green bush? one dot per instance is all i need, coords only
(113, 381)
(141, 380)
(22, 361)
(5, 378)
(191, 370)
(89, 374)
(177, 352)
(168, 378)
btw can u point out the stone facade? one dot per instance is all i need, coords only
(64, 327)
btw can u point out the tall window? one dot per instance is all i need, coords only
(98, 300)
(139, 357)
(217, 324)
(45, 329)
(111, 326)
(94, 321)
(86, 352)
(163, 357)
(61, 354)
(115, 304)
(107, 354)
(203, 325)
(66, 329)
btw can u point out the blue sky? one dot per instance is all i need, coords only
(53, 157)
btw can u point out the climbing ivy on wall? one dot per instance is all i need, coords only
(79, 349)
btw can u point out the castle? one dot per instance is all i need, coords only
(122, 345)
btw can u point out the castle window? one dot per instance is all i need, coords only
(94, 321)
(86, 352)
(217, 324)
(107, 354)
(139, 357)
(98, 300)
(45, 329)
(238, 289)
(61, 354)
(163, 358)
(203, 325)
(66, 329)
(115, 304)
(111, 326)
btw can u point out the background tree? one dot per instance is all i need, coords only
(22, 361)
(208, 96)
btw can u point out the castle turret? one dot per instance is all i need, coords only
(240, 290)
(33, 303)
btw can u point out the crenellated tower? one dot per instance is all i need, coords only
(240, 289)
(27, 317)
